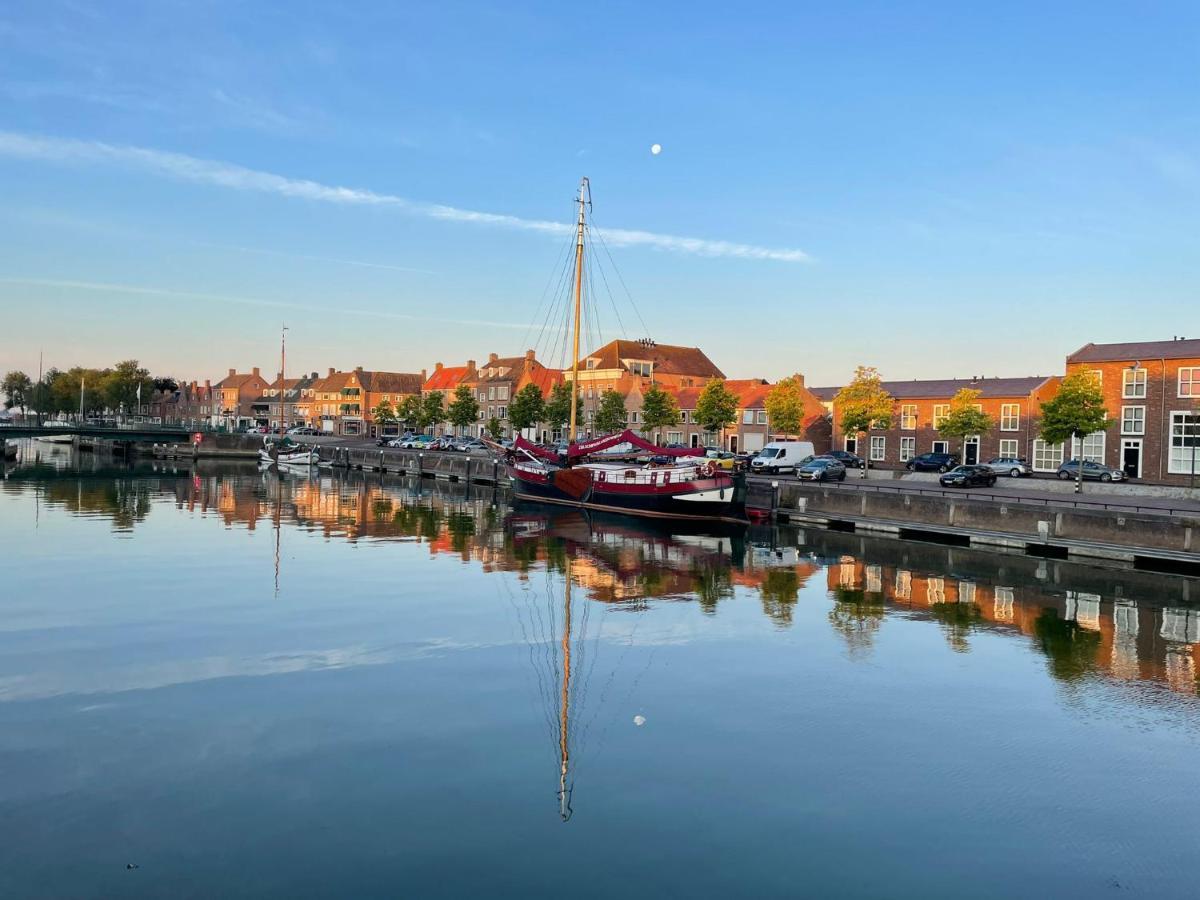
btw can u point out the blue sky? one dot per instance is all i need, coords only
(936, 189)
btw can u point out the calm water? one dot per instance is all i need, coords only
(353, 686)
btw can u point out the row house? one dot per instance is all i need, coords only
(342, 402)
(190, 404)
(446, 380)
(1012, 404)
(1152, 394)
(233, 396)
(498, 381)
(285, 402)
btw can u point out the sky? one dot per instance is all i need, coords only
(934, 189)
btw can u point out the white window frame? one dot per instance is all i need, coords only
(1080, 449)
(878, 447)
(1046, 457)
(674, 437)
(908, 448)
(1010, 448)
(760, 417)
(1131, 421)
(1179, 450)
(1133, 384)
(908, 417)
(748, 417)
(940, 411)
(1193, 382)
(941, 447)
(1010, 416)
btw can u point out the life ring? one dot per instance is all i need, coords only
(707, 469)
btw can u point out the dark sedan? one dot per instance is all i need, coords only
(846, 458)
(932, 462)
(968, 476)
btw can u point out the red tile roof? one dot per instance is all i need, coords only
(545, 378)
(446, 378)
(666, 358)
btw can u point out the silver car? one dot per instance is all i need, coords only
(1009, 465)
(1091, 470)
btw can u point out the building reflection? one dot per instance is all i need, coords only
(1088, 622)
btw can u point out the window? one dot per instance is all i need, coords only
(502, 392)
(941, 446)
(908, 448)
(1133, 383)
(1046, 457)
(1010, 416)
(748, 417)
(683, 416)
(1008, 448)
(643, 369)
(492, 393)
(940, 411)
(878, 447)
(674, 437)
(1098, 375)
(1185, 443)
(1133, 420)
(482, 396)
(760, 417)
(591, 363)
(633, 417)
(502, 412)
(908, 421)
(1189, 382)
(1093, 447)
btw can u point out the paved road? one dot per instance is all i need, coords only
(1093, 496)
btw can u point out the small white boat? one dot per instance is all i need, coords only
(275, 455)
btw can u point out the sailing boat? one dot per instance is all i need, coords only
(283, 452)
(675, 483)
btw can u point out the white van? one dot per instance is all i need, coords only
(781, 456)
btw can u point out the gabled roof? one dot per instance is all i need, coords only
(237, 380)
(1137, 351)
(751, 392)
(945, 388)
(544, 378)
(510, 367)
(446, 378)
(825, 394)
(391, 382)
(667, 359)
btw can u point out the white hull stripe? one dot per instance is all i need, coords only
(710, 496)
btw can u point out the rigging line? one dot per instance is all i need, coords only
(612, 300)
(593, 332)
(559, 348)
(620, 277)
(562, 279)
(545, 290)
(563, 294)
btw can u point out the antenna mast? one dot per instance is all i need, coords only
(585, 199)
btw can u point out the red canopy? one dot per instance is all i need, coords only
(595, 445)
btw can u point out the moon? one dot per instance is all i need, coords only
(655, 149)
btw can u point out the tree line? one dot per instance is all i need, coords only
(94, 391)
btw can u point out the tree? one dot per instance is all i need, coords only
(432, 410)
(610, 413)
(659, 409)
(17, 389)
(384, 413)
(495, 429)
(864, 404)
(785, 407)
(964, 418)
(716, 408)
(408, 411)
(1076, 411)
(558, 407)
(464, 408)
(126, 386)
(527, 408)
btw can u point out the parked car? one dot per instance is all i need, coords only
(469, 445)
(1009, 465)
(674, 445)
(822, 468)
(968, 476)
(723, 460)
(781, 456)
(932, 462)
(304, 429)
(1091, 470)
(846, 458)
(416, 442)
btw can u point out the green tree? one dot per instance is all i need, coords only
(864, 404)
(384, 414)
(464, 408)
(17, 388)
(122, 386)
(433, 409)
(716, 408)
(1076, 411)
(610, 413)
(659, 409)
(785, 407)
(527, 408)
(964, 418)
(408, 411)
(495, 429)
(558, 407)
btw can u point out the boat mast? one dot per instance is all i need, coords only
(282, 376)
(564, 750)
(585, 197)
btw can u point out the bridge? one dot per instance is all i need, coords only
(139, 433)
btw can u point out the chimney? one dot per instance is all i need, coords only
(528, 360)
(437, 367)
(330, 375)
(358, 369)
(492, 357)
(232, 372)
(423, 378)
(470, 368)
(208, 382)
(799, 379)
(255, 372)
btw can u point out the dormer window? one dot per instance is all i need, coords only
(592, 363)
(641, 368)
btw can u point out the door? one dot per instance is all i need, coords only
(1131, 458)
(695, 440)
(733, 443)
(852, 445)
(971, 451)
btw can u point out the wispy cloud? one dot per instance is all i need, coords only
(235, 177)
(149, 291)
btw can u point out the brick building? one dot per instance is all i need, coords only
(499, 379)
(1152, 393)
(233, 396)
(342, 402)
